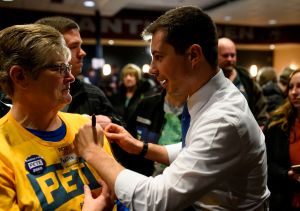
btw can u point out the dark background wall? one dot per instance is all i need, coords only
(118, 55)
(128, 24)
(121, 55)
(260, 58)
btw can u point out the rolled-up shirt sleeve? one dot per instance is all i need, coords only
(126, 183)
(173, 150)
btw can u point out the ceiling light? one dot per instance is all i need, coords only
(272, 46)
(227, 18)
(111, 42)
(146, 68)
(97, 63)
(272, 22)
(147, 37)
(148, 50)
(253, 70)
(293, 66)
(89, 3)
(106, 69)
(8, 0)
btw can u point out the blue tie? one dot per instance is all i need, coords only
(185, 123)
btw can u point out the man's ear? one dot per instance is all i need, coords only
(195, 52)
(18, 76)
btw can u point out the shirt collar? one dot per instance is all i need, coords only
(200, 97)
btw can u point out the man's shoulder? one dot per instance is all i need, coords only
(90, 90)
(247, 81)
(227, 103)
(154, 98)
(243, 72)
(91, 87)
(150, 108)
(153, 103)
(271, 87)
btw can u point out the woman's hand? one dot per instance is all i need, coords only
(104, 201)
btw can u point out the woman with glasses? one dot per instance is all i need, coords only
(39, 169)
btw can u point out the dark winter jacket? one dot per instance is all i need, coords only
(148, 119)
(256, 100)
(89, 99)
(118, 100)
(281, 187)
(273, 94)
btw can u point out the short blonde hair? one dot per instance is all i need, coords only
(131, 69)
(32, 47)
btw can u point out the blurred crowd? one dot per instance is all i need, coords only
(138, 102)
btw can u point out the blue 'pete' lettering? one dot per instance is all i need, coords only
(55, 186)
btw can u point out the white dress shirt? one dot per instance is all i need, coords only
(222, 167)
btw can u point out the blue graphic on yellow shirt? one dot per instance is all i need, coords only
(121, 207)
(56, 185)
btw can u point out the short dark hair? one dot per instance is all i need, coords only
(285, 75)
(61, 24)
(186, 26)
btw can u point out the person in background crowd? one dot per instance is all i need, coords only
(267, 79)
(155, 120)
(92, 76)
(5, 103)
(4, 98)
(284, 78)
(126, 101)
(86, 98)
(83, 78)
(3, 109)
(114, 78)
(241, 79)
(283, 144)
(155, 86)
(221, 163)
(266, 74)
(39, 169)
(131, 91)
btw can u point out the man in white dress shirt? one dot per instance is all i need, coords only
(223, 164)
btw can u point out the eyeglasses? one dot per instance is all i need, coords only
(62, 68)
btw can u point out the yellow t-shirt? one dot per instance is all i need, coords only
(42, 175)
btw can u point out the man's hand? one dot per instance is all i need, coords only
(122, 137)
(101, 202)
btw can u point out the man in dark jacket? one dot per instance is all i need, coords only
(86, 98)
(241, 79)
(146, 125)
